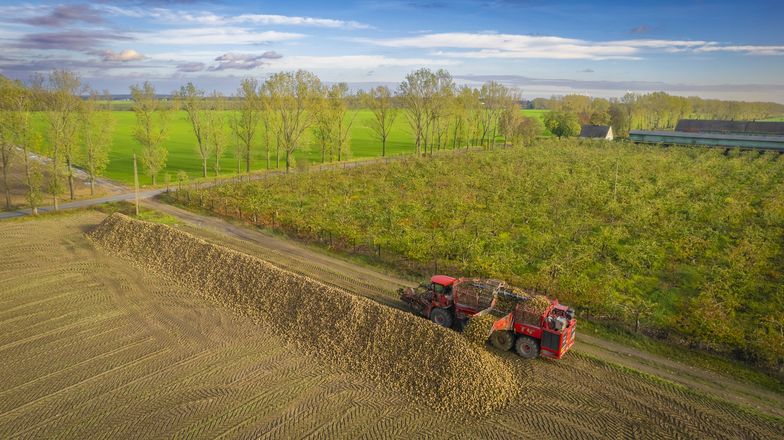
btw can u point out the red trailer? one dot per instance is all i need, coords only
(451, 302)
(549, 334)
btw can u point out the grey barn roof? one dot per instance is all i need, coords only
(730, 127)
(594, 131)
(750, 141)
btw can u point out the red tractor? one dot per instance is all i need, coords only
(547, 330)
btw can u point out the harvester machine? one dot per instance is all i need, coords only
(532, 325)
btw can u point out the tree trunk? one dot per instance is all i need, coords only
(70, 178)
(7, 190)
(29, 181)
(383, 146)
(637, 323)
(203, 167)
(247, 159)
(92, 185)
(287, 161)
(154, 180)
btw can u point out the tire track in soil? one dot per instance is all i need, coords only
(366, 282)
(224, 375)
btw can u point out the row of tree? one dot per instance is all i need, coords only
(78, 130)
(653, 111)
(283, 114)
(290, 111)
(291, 106)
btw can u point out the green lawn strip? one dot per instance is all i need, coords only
(183, 154)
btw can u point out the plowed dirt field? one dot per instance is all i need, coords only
(97, 346)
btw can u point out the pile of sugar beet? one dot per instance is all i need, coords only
(430, 364)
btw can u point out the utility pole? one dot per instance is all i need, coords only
(136, 184)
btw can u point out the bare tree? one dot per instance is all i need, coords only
(494, 97)
(152, 121)
(416, 93)
(215, 129)
(62, 114)
(323, 126)
(97, 124)
(440, 108)
(16, 126)
(192, 101)
(292, 96)
(268, 120)
(339, 102)
(380, 101)
(248, 118)
(8, 128)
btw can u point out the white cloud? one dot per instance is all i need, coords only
(284, 20)
(212, 19)
(244, 61)
(123, 56)
(213, 36)
(353, 62)
(492, 45)
(747, 49)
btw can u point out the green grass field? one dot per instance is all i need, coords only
(183, 153)
(776, 119)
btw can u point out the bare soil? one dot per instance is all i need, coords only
(93, 347)
(381, 287)
(18, 185)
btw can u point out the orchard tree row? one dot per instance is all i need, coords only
(678, 242)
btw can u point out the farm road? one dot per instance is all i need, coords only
(382, 287)
(127, 193)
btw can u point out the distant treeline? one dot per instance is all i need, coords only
(654, 111)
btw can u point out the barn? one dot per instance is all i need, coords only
(751, 135)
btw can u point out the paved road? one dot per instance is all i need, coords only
(373, 284)
(84, 203)
(128, 195)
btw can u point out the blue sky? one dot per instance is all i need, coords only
(722, 49)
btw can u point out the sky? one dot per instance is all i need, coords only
(714, 49)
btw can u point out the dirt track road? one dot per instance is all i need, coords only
(126, 193)
(381, 287)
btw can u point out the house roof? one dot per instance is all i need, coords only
(730, 127)
(594, 131)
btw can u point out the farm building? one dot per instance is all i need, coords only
(732, 134)
(596, 132)
(731, 127)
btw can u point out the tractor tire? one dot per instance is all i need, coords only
(441, 317)
(527, 348)
(502, 340)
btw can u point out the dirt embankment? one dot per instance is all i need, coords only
(426, 362)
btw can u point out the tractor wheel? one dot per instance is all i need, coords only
(502, 340)
(441, 317)
(526, 347)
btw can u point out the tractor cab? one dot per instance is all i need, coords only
(440, 292)
(442, 284)
(433, 300)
